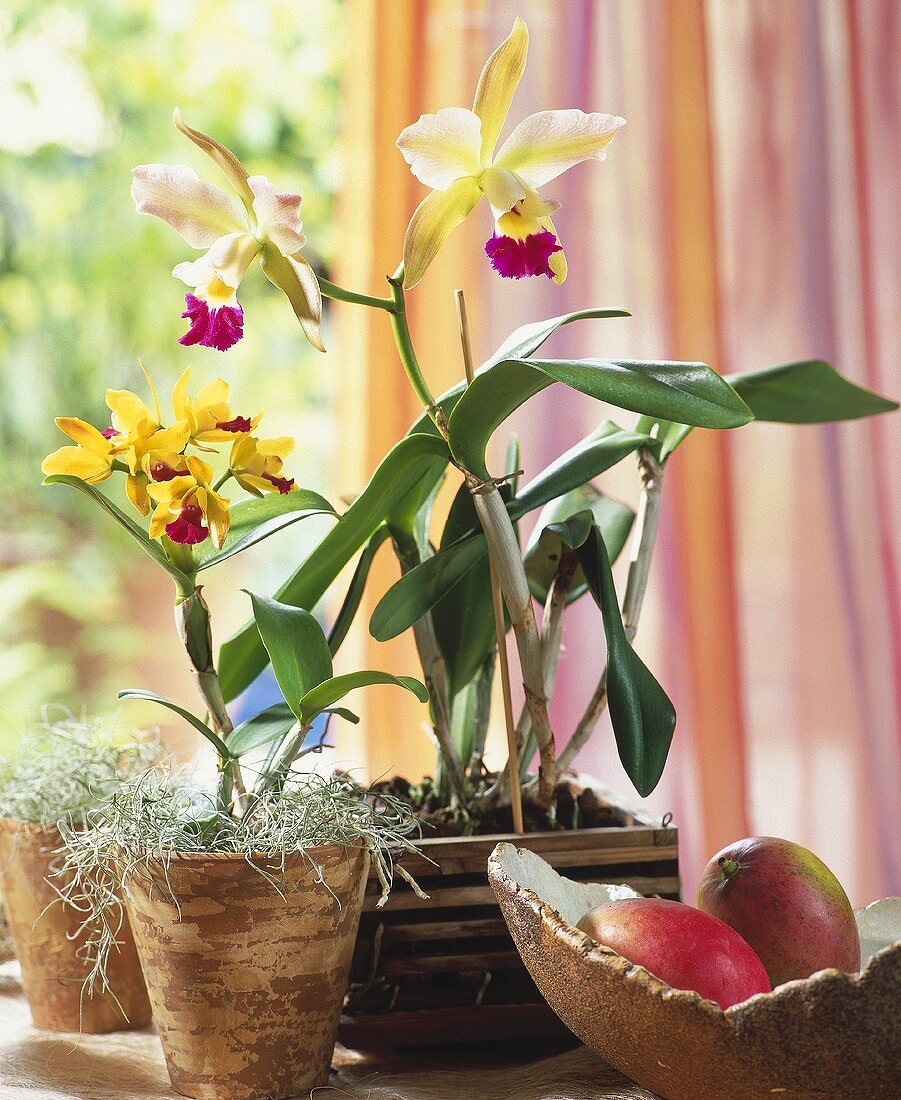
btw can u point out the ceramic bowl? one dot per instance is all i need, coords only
(833, 1035)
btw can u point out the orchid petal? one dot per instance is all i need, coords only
(77, 462)
(227, 259)
(198, 211)
(86, 435)
(444, 147)
(233, 170)
(278, 216)
(432, 221)
(497, 85)
(295, 278)
(557, 262)
(136, 491)
(547, 143)
(503, 189)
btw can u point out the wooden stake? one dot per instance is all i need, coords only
(497, 604)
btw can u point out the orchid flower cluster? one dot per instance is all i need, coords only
(452, 152)
(161, 476)
(451, 584)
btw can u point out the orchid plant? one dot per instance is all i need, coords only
(444, 594)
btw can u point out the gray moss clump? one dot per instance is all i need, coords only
(160, 815)
(64, 768)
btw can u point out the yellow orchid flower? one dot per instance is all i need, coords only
(453, 152)
(188, 509)
(270, 230)
(256, 464)
(91, 460)
(210, 414)
(148, 455)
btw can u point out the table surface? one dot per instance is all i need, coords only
(43, 1065)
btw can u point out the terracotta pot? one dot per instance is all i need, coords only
(247, 975)
(831, 1035)
(47, 944)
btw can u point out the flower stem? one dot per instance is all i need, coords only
(405, 349)
(221, 481)
(339, 294)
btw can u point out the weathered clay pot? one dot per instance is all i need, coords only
(47, 944)
(830, 1035)
(246, 972)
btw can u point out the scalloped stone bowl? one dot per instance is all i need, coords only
(833, 1035)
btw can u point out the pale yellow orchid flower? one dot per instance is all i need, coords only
(256, 464)
(270, 230)
(209, 414)
(188, 509)
(453, 152)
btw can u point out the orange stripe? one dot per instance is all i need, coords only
(699, 487)
(403, 59)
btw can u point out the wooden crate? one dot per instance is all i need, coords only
(445, 970)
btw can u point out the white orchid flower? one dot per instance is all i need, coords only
(269, 229)
(453, 152)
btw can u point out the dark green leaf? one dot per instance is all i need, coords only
(215, 740)
(543, 552)
(423, 586)
(355, 590)
(296, 645)
(257, 519)
(642, 716)
(464, 618)
(343, 712)
(604, 448)
(147, 544)
(689, 392)
(409, 599)
(809, 392)
(523, 341)
(324, 695)
(402, 470)
(271, 724)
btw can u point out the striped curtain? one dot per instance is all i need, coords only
(747, 215)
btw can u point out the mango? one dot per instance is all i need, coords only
(681, 946)
(786, 903)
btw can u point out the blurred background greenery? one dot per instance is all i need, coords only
(85, 288)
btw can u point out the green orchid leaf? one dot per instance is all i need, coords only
(147, 544)
(343, 712)
(642, 715)
(521, 343)
(411, 462)
(324, 695)
(689, 392)
(602, 449)
(543, 551)
(296, 645)
(355, 590)
(215, 740)
(808, 392)
(257, 519)
(272, 724)
(422, 587)
(464, 617)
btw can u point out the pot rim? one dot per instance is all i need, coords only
(157, 855)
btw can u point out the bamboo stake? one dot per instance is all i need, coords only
(497, 604)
